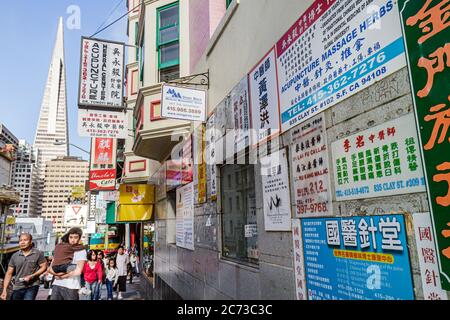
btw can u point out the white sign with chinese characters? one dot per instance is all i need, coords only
(183, 103)
(426, 250)
(265, 111)
(300, 287)
(334, 50)
(241, 116)
(310, 168)
(380, 161)
(276, 194)
(185, 217)
(211, 175)
(102, 124)
(101, 74)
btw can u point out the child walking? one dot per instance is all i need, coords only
(112, 276)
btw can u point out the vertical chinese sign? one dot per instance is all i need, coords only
(101, 74)
(426, 28)
(102, 175)
(211, 137)
(241, 117)
(300, 287)
(199, 144)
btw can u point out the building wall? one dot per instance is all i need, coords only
(254, 28)
(60, 177)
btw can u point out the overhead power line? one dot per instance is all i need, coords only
(110, 14)
(115, 21)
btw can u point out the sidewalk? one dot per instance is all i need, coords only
(132, 293)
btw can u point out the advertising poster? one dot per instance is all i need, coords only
(241, 115)
(310, 168)
(276, 193)
(426, 250)
(102, 124)
(357, 258)
(426, 30)
(183, 103)
(101, 73)
(173, 174)
(265, 113)
(75, 215)
(187, 162)
(300, 287)
(334, 50)
(380, 161)
(185, 217)
(211, 137)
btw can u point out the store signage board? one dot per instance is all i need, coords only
(101, 74)
(183, 103)
(357, 258)
(321, 60)
(102, 124)
(380, 161)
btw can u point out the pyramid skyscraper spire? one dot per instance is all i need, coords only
(52, 137)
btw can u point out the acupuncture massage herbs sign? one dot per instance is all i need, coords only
(426, 29)
(380, 161)
(101, 74)
(334, 50)
(357, 258)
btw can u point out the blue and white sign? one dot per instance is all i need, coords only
(336, 49)
(183, 103)
(357, 258)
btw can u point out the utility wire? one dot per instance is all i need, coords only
(115, 21)
(110, 14)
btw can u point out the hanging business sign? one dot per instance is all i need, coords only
(75, 215)
(102, 176)
(334, 50)
(300, 287)
(101, 74)
(276, 193)
(357, 258)
(183, 103)
(241, 115)
(426, 33)
(265, 112)
(426, 251)
(185, 217)
(310, 169)
(380, 161)
(102, 124)
(211, 138)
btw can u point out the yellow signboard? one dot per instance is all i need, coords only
(78, 192)
(202, 167)
(136, 194)
(134, 213)
(10, 220)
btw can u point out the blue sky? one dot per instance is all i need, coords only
(28, 31)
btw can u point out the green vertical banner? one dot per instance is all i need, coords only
(426, 29)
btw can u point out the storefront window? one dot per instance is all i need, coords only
(148, 249)
(239, 234)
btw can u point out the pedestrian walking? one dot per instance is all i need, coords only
(26, 265)
(93, 274)
(112, 276)
(66, 287)
(101, 260)
(122, 261)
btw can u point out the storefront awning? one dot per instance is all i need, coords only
(134, 213)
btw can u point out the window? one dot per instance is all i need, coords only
(168, 44)
(239, 233)
(136, 37)
(229, 2)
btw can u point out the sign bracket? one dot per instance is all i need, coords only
(200, 79)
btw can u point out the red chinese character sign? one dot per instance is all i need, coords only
(380, 161)
(426, 28)
(102, 176)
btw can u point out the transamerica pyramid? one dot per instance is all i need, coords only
(52, 137)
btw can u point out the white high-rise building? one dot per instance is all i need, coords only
(52, 137)
(26, 179)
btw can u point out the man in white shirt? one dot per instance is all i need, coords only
(122, 261)
(66, 287)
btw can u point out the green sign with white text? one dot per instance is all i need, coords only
(426, 29)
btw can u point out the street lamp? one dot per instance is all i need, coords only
(62, 142)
